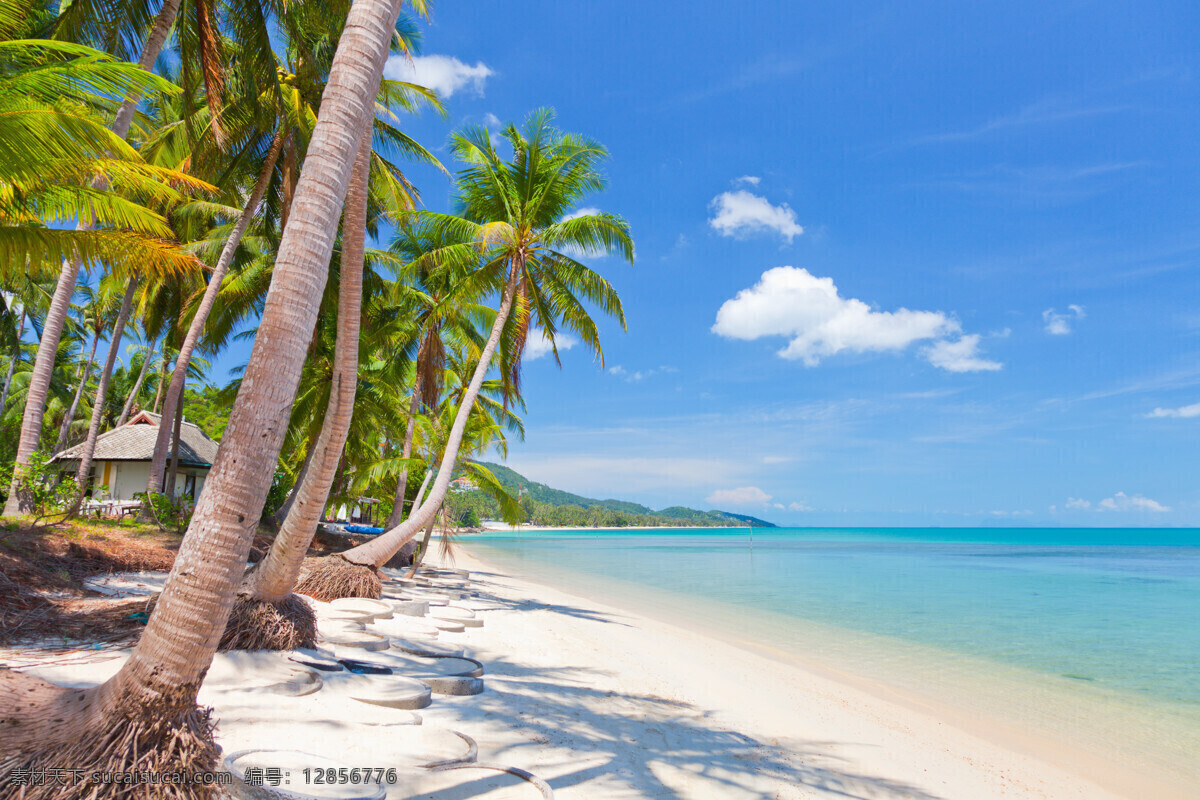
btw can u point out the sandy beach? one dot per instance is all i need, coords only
(603, 703)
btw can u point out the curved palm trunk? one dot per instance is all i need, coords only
(175, 392)
(421, 491)
(272, 581)
(137, 386)
(12, 363)
(286, 508)
(64, 430)
(89, 446)
(402, 485)
(153, 696)
(169, 488)
(39, 381)
(376, 552)
(424, 547)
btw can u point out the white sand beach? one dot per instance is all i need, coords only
(603, 703)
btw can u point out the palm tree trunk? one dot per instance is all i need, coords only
(12, 363)
(153, 696)
(39, 381)
(424, 547)
(377, 551)
(421, 492)
(402, 485)
(64, 431)
(89, 447)
(137, 386)
(162, 379)
(175, 392)
(174, 470)
(277, 572)
(286, 508)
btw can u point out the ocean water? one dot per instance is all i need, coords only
(1089, 633)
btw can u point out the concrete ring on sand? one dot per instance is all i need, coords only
(393, 691)
(447, 675)
(298, 765)
(455, 614)
(376, 609)
(361, 639)
(407, 606)
(406, 626)
(448, 625)
(478, 781)
(427, 649)
(259, 672)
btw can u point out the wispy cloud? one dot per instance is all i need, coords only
(741, 213)
(1183, 412)
(444, 74)
(1044, 112)
(1060, 324)
(1118, 502)
(960, 356)
(742, 496)
(749, 180)
(539, 344)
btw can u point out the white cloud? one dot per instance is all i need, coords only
(633, 377)
(791, 302)
(740, 213)
(798, 507)
(751, 180)
(1060, 324)
(1123, 502)
(742, 496)
(491, 120)
(539, 344)
(444, 74)
(776, 459)
(1184, 412)
(617, 370)
(1076, 503)
(960, 356)
(620, 475)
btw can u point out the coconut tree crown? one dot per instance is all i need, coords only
(519, 217)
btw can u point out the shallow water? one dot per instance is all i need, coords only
(1094, 632)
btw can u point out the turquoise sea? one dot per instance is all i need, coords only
(1094, 633)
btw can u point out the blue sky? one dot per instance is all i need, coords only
(897, 263)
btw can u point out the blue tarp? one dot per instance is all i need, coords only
(363, 529)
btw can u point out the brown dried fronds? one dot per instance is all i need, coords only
(333, 576)
(260, 625)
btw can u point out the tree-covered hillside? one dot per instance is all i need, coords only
(546, 505)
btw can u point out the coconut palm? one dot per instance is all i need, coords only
(517, 216)
(57, 163)
(145, 717)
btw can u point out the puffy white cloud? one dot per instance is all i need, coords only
(539, 344)
(749, 180)
(444, 74)
(740, 213)
(742, 496)
(791, 302)
(960, 356)
(1123, 502)
(798, 507)
(1060, 324)
(1185, 412)
(1076, 503)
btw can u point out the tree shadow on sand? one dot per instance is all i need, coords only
(620, 739)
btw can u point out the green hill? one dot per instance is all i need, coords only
(549, 506)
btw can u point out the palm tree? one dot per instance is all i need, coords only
(58, 164)
(145, 717)
(514, 214)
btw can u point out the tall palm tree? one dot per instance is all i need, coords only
(145, 717)
(51, 151)
(515, 216)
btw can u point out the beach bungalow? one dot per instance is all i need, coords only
(121, 465)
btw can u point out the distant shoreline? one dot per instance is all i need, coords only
(500, 527)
